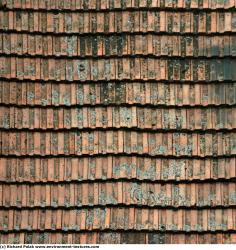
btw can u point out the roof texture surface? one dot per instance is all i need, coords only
(117, 121)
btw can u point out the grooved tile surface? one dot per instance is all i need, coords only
(117, 121)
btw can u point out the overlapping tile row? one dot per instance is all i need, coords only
(194, 195)
(116, 93)
(117, 69)
(176, 144)
(117, 238)
(115, 218)
(72, 5)
(118, 22)
(117, 45)
(101, 168)
(118, 117)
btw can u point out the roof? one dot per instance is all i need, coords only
(117, 121)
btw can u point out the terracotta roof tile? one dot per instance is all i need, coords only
(128, 167)
(117, 122)
(134, 21)
(107, 5)
(85, 70)
(113, 193)
(176, 144)
(117, 117)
